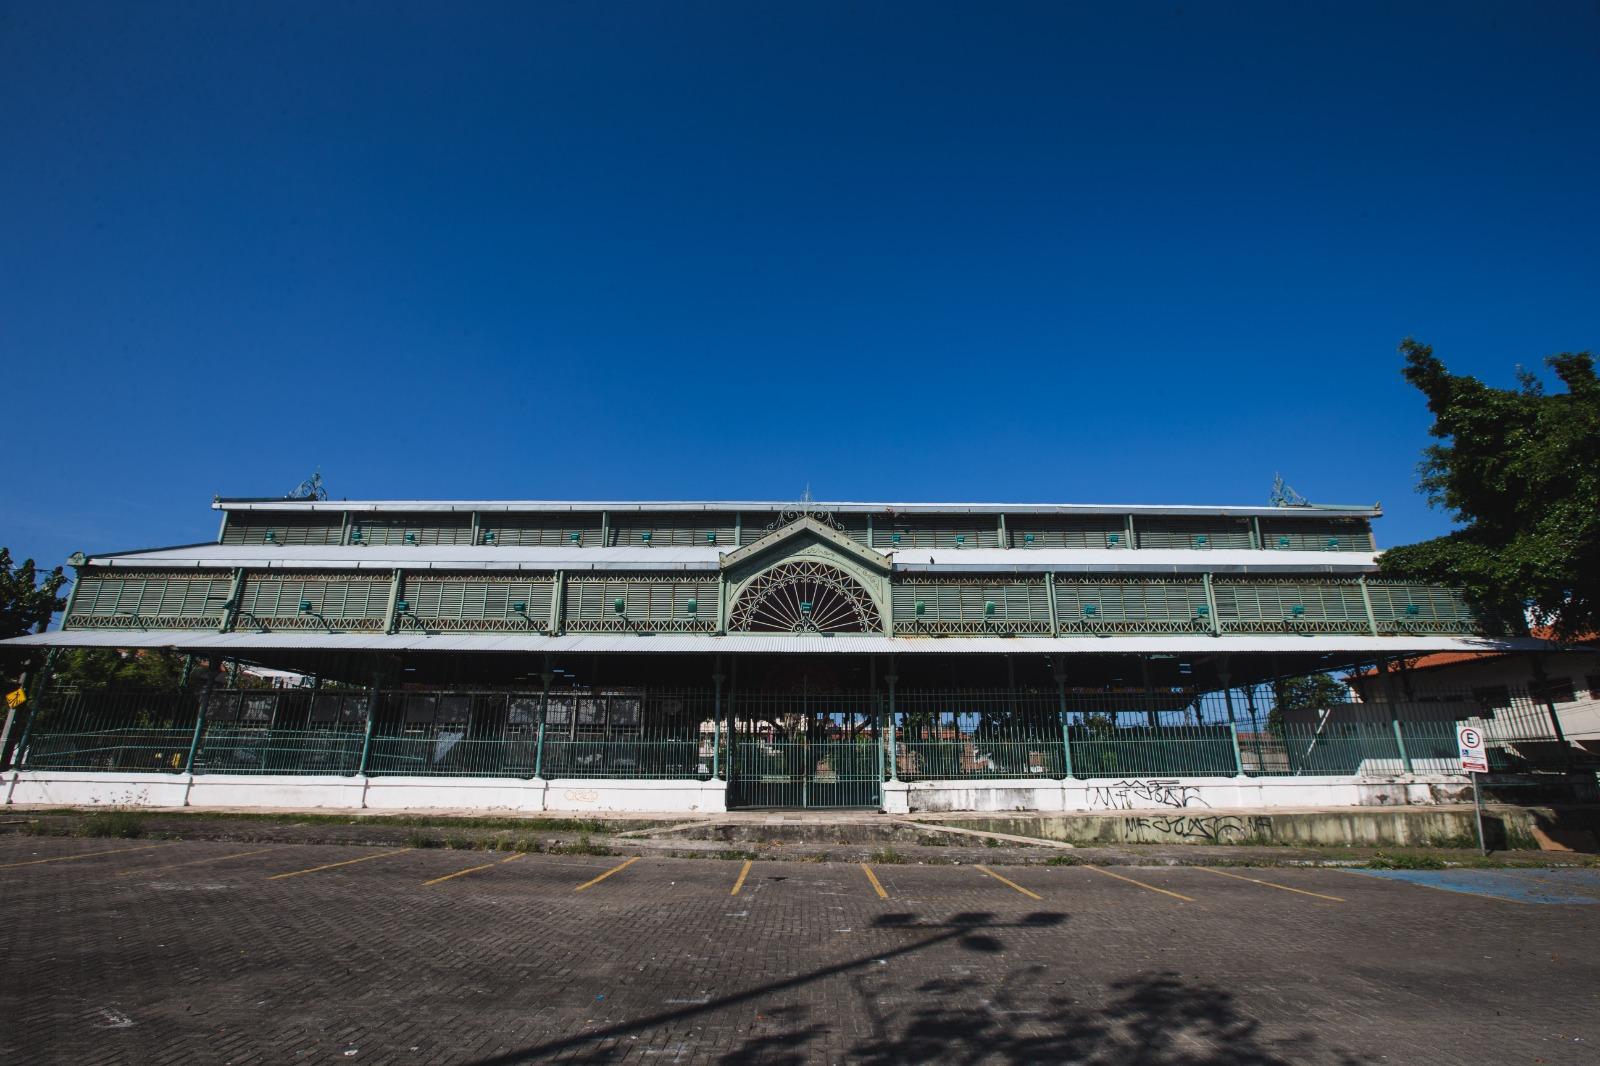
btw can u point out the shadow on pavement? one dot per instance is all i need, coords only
(1153, 1019)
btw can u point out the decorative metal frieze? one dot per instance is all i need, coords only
(804, 596)
(1404, 626)
(410, 623)
(141, 621)
(641, 625)
(801, 510)
(1001, 627)
(249, 621)
(1295, 625)
(1146, 627)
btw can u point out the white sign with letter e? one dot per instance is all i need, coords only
(1474, 759)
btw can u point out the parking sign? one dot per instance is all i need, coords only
(1473, 758)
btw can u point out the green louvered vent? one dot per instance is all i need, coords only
(552, 530)
(936, 531)
(443, 527)
(117, 599)
(1067, 531)
(287, 527)
(665, 529)
(272, 601)
(1157, 531)
(476, 602)
(962, 605)
(1108, 604)
(1309, 606)
(1316, 534)
(1399, 607)
(853, 526)
(651, 603)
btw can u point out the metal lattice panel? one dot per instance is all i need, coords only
(936, 531)
(1401, 607)
(666, 603)
(477, 603)
(1131, 605)
(154, 600)
(674, 529)
(1067, 531)
(805, 596)
(1292, 605)
(439, 528)
(274, 600)
(1316, 534)
(563, 530)
(1207, 532)
(970, 605)
(289, 527)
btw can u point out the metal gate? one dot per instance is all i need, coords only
(807, 751)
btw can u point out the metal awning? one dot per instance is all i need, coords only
(773, 643)
(834, 507)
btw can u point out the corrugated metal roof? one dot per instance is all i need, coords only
(761, 643)
(257, 504)
(909, 560)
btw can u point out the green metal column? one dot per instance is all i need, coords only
(1400, 742)
(1128, 528)
(199, 726)
(1061, 713)
(1211, 603)
(235, 605)
(1366, 601)
(395, 579)
(544, 710)
(558, 600)
(1005, 541)
(894, 761)
(716, 722)
(1238, 758)
(1050, 598)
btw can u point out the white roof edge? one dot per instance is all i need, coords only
(754, 643)
(845, 507)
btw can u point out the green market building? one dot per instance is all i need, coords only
(699, 656)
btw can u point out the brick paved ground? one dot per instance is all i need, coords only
(176, 952)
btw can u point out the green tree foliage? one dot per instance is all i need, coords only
(26, 602)
(1519, 470)
(108, 668)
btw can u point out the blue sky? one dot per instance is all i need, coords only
(1117, 253)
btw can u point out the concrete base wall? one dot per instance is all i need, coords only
(1175, 793)
(357, 793)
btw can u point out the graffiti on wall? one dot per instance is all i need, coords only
(1154, 792)
(1205, 828)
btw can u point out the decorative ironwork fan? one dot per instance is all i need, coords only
(805, 597)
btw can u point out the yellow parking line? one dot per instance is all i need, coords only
(472, 870)
(347, 862)
(1269, 884)
(85, 855)
(1013, 884)
(744, 872)
(876, 887)
(608, 873)
(1141, 884)
(193, 862)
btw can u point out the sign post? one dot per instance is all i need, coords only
(1475, 761)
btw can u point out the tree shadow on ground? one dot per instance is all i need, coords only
(1160, 1019)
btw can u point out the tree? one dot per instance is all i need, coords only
(26, 604)
(1519, 471)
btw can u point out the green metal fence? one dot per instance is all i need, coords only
(775, 749)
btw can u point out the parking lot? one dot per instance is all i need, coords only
(141, 952)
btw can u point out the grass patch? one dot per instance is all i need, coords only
(582, 846)
(1381, 861)
(926, 841)
(1063, 860)
(123, 824)
(887, 857)
(423, 840)
(457, 842)
(734, 855)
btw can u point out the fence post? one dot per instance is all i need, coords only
(1061, 714)
(1400, 742)
(366, 738)
(894, 761)
(1238, 756)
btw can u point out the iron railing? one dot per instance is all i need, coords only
(777, 748)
